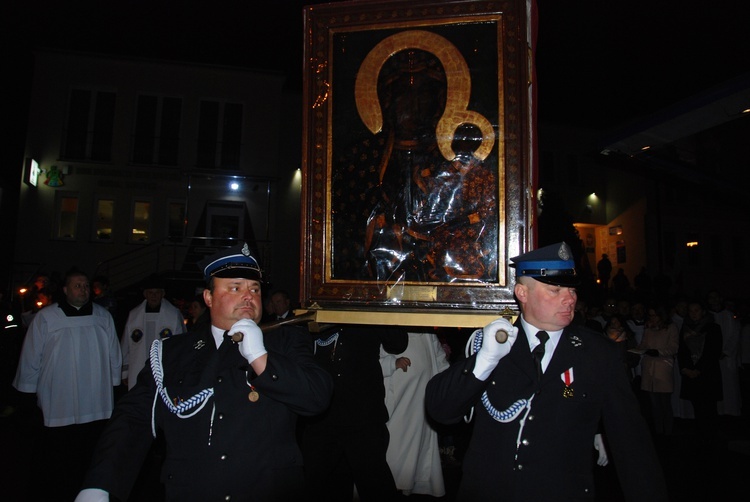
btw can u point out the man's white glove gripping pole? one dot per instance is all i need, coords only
(250, 339)
(497, 339)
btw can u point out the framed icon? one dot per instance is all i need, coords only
(417, 165)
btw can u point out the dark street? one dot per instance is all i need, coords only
(694, 472)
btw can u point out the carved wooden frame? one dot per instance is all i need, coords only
(346, 46)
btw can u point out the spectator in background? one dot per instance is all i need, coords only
(636, 321)
(199, 314)
(581, 311)
(413, 451)
(604, 269)
(155, 318)
(679, 312)
(698, 354)
(37, 296)
(71, 360)
(604, 314)
(621, 284)
(731, 404)
(743, 314)
(268, 314)
(682, 408)
(41, 283)
(281, 305)
(102, 294)
(623, 308)
(618, 331)
(659, 348)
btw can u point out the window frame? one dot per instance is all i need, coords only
(60, 198)
(133, 216)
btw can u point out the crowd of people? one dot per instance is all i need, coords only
(683, 354)
(368, 413)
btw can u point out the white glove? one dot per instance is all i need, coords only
(92, 495)
(599, 446)
(251, 346)
(492, 351)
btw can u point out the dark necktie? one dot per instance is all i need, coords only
(538, 353)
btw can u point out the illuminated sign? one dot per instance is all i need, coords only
(31, 172)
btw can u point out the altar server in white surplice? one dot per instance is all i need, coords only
(154, 318)
(69, 365)
(413, 452)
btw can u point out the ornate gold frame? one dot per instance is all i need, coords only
(487, 87)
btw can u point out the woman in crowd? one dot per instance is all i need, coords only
(617, 330)
(199, 315)
(659, 347)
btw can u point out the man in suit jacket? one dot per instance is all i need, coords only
(225, 398)
(347, 444)
(534, 434)
(281, 304)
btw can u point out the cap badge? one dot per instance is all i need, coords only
(246, 250)
(564, 252)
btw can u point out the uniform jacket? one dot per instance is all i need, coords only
(231, 447)
(554, 459)
(353, 361)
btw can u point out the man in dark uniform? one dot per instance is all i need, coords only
(347, 444)
(225, 397)
(534, 428)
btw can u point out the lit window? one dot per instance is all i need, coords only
(66, 209)
(104, 219)
(141, 228)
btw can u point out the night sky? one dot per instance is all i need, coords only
(599, 62)
(603, 62)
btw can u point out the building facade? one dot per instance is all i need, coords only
(673, 204)
(139, 166)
